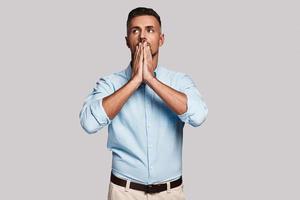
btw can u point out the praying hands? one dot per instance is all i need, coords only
(142, 66)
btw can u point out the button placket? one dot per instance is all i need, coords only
(148, 102)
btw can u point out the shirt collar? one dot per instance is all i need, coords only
(128, 71)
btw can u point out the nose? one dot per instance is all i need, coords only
(143, 39)
(142, 36)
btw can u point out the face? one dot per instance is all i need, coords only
(146, 28)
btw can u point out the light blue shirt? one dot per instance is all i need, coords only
(145, 137)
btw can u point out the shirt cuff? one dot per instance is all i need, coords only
(99, 113)
(184, 116)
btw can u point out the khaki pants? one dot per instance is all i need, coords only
(116, 192)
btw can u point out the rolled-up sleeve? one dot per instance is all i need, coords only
(197, 109)
(92, 115)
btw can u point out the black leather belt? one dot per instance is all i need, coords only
(152, 188)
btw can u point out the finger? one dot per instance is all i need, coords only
(146, 56)
(144, 51)
(140, 47)
(137, 47)
(144, 44)
(138, 53)
(148, 51)
(141, 54)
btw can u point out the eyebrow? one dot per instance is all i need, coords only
(140, 28)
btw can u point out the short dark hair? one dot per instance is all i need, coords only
(140, 11)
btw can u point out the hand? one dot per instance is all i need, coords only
(137, 65)
(147, 63)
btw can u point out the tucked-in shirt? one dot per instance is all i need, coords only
(146, 136)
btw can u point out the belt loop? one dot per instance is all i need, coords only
(127, 185)
(168, 187)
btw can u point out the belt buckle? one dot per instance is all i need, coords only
(150, 189)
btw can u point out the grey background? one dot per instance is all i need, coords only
(242, 55)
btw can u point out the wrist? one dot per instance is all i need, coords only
(150, 80)
(137, 82)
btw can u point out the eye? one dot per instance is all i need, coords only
(134, 31)
(150, 30)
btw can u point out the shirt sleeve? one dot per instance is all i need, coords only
(197, 109)
(92, 115)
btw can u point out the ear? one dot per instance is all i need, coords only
(127, 42)
(161, 39)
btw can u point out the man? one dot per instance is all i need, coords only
(145, 107)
